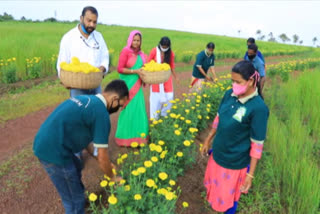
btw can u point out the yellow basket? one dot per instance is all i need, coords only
(81, 80)
(156, 77)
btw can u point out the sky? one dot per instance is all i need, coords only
(210, 17)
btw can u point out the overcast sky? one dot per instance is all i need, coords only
(212, 17)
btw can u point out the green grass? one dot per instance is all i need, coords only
(43, 39)
(293, 133)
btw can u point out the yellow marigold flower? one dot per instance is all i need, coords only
(174, 107)
(136, 153)
(199, 117)
(187, 111)
(148, 164)
(184, 94)
(165, 105)
(93, 197)
(188, 121)
(13, 59)
(124, 156)
(141, 170)
(172, 101)
(208, 110)
(160, 121)
(127, 188)
(162, 191)
(155, 122)
(163, 154)
(182, 118)
(103, 183)
(186, 143)
(168, 111)
(142, 145)
(193, 130)
(143, 135)
(152, 147)
(122, 181)
(173, 115)
(134, 144)
(179, 154)
(161, 142)
(176, 126)
(204, 95)
(193, 107)
(172, 182)
(177, 132)
(135, 173)
(150, 183)
(207, 117)
(154, 159)
(187, 100)
(159, 149)
(106, 177)
(169, 196)
(185, 204)
(163, 176)
(158, 111)
(197, 105)
(112, 199)
(194, 93)
(114, 171)
(208, 105)
(137, 197)
(111, 183)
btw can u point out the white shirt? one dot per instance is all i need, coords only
(92, 50)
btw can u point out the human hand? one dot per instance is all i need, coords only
(67, 87)
(208, 78)
(246, 185)
(205, 148)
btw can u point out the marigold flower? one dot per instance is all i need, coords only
(137, 197)
(169, 196)
(179, 154)
(143, 135)
(161, 142)
(141, 170)
(103, 183)
(134, 144)
(154, 159)
(177, 132)
(148, 164)
(185, 204)
(127, 188)
(188, 121)
(112, 199)
(150, 183)
(186, 143)
(135, 173)
(163, 176)
(93, 197)
(172, 182)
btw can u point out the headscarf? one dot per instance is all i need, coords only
(129, 43)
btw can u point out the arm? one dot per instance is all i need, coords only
(172, 66)
(203, 73)
(104, 57)
(123, 58)
(213, 72)
(208, 140)
(64, 54)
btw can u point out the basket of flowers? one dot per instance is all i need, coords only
(155, 73)
(80, 75)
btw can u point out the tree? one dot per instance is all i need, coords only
(258, 32)
(300, 42)
(295, 38)
(314, 40)
(284, 37)
(6, 17)
(262, 37)
(271, 38)
(239, 31)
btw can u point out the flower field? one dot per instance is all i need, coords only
(150, 172)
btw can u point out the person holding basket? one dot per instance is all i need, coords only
(133, 120)
(161, 94)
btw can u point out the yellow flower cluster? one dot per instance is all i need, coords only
(153, 66)
(77, 66)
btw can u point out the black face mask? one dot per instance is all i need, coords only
(251, 57)
(114, 109)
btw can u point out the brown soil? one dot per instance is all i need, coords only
(30, 189)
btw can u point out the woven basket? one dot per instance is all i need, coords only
(155, 77)
(81, 80)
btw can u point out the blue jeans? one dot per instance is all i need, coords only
(67, 180)
(75, 92)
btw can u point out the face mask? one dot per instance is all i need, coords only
(251, 56)
(114, 109)
(239, 89)
(85, 30)
(208, 52)
(164, 49)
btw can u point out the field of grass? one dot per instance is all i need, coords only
(42, 40)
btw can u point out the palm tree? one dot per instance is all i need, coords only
(314, 40)
(295, 38)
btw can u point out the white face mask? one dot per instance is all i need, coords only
(164, 49)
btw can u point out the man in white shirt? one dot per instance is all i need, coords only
(87, 44)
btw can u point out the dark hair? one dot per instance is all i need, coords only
(246, 70)
(253, 47)
(91, 9)
(251, 40)
(119, 87)
(167, 55)
(211, 45)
